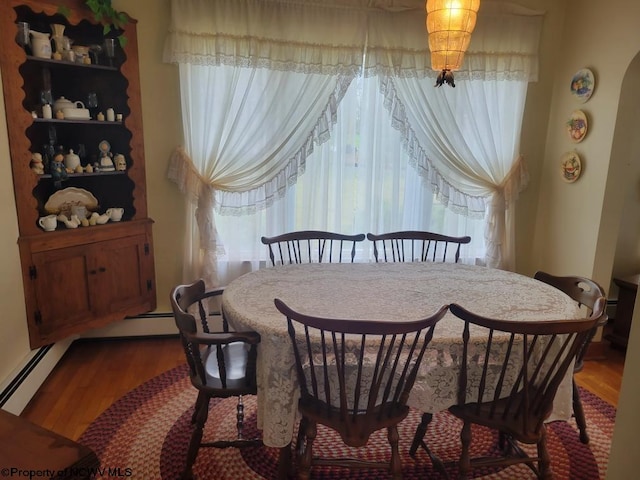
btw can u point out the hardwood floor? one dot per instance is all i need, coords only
(95, 373)
(604, 377)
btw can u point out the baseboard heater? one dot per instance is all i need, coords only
(23, 382)
(23, 374)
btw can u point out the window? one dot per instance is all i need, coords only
(360, 180)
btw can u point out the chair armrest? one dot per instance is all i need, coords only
(603, 321)
(212, 293)
(252, 338)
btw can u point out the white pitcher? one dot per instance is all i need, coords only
(40, 44)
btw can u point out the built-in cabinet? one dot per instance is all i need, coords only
(92, 268)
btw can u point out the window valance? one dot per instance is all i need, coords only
(380, 36)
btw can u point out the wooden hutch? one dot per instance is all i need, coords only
(88, 276)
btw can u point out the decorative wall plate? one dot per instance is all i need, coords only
(577, 126)
(582, 84)
(63, 200)
(571, 167)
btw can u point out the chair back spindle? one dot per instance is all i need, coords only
(355, 377)
(585, 292)
(312, 246)
(509, 381)
(416, 246)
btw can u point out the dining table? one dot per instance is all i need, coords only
(380, 292)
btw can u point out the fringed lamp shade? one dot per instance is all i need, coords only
(450, 23)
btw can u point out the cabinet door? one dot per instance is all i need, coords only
(125, 281)
(63, 289)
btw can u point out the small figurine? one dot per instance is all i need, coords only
(72, 222)
(58, 170)
(106, 162)
(121, 162)
(36, 163)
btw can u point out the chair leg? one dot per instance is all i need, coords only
(202, 397)
(420, 433)
(396, 462)
(464, 463)
(544, 465)
(305, 456)
(578, 413)
(240, 417)
(201, 415)
(300, 441)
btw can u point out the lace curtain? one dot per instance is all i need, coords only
(460, 144)
(362, 179)
(238, 57)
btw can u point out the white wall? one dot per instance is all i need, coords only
(14, 338)
(578, 224)
(569, 237)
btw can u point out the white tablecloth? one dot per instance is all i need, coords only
(379, 291)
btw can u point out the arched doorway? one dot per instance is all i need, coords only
(618, 251)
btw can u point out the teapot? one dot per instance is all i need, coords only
(62, 102)
(69, 108)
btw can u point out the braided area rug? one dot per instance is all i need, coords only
(145, 434)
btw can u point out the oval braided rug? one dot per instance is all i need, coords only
(147, 432)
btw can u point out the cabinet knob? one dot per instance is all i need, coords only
(102, 269)
(92, 272)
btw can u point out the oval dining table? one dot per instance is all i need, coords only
(383, 292)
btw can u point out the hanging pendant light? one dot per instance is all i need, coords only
(449, 24)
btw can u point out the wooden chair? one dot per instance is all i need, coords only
(585, 292)
(221, 364)
(510, 383)
(350, 391)
(416, 246)
(311, 246)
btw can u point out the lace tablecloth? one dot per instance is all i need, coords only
(379, 291)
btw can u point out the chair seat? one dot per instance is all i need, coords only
(361, 425)
(236, 358)
(490, 414)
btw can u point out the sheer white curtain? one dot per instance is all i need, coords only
(465, 141)
(245, 140)
(361, 180)
(471, 136)
(262, 83)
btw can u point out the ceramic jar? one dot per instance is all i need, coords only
(71, 161)
(46, 111)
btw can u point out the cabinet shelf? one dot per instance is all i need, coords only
(78, 122)
(65, 63)
(81, 175)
